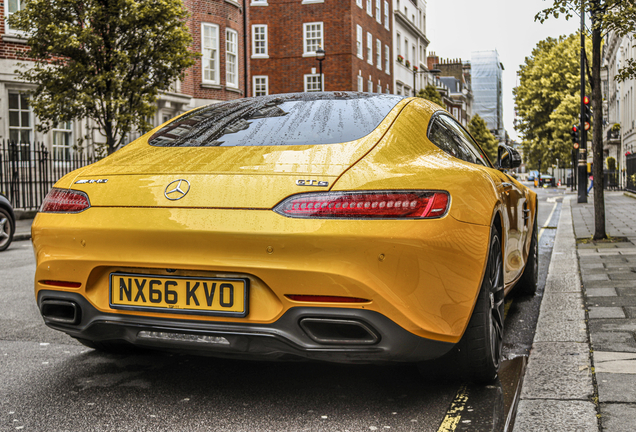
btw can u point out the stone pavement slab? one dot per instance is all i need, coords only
(614, 416)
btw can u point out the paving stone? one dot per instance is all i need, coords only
(626, 291)
(601, 292)
(608, 284)
(618, 417)
(585, 272)
(615, 362)
(631, 311)
(597, 277)
(606, 312)
(592, 265)
(558, 370)
(622, 276)
(618, 301)
(613, 341)
(561, 416)
(616, 387)
(626, 324)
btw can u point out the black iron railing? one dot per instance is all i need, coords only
(29, 171)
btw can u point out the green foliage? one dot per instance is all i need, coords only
(548, 100)
(611, 163)
(102, 59)
(479, 130)
(431, 93)
(608, 16)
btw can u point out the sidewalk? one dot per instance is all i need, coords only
(582, 369)
(22, 229)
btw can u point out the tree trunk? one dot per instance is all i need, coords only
(110, 139)
(597, 122)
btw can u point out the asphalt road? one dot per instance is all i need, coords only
(49, 382)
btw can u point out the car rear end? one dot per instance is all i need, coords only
(185, 241)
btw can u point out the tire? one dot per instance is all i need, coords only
(7, 228)
(529, 280)
(477, 356)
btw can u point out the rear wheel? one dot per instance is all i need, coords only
(6, 229)
(477, 356)
(530, 278)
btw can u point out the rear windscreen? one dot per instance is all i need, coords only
(292, 119)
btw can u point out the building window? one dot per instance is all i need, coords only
(360, 83)
(386, 14)
(399, 43)
(62, 141)
(312, 82)
(261, 85)
(387, 89)
(210, 52)
(379, 89)
(398, 89)
(259, 3)
(12, 6)
(378, 54)
(259, 41)
(312, 37)
(378, 11)
(414, 57)
(369, 48)
(359, 3)
(231, 58)
(370, 86)
(20, 126)
(387, 56)
(370, 7)
(407, 91)
(359, 41)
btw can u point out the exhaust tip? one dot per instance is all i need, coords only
(339, 331)
(60, 311)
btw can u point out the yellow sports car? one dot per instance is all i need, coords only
(346, 227)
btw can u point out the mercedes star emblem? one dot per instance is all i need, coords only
(177, 192)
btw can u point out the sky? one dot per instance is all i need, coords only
(456, 28)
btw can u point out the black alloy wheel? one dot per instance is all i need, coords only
(477, 356)
(7, 228)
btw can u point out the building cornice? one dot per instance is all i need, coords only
(411, 26)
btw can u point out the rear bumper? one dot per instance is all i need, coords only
(385, 342)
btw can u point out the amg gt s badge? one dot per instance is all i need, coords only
(312, 183)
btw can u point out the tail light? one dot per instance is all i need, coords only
(366, 205)
(65, 201)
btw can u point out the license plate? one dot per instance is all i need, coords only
(179, 294)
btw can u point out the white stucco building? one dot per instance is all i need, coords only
(409, 46)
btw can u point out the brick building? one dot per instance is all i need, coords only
(217, 28)
(355, 35)
(455, 75)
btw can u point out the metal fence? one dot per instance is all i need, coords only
(630, 168)
(29, 171)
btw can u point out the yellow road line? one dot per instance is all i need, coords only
(454, 413)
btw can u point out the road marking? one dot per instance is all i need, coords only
(548, 220)
(454, 413)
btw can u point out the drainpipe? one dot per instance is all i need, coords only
(245, 48)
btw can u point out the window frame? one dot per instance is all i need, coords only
(307, 53)
(360, 41)
(378, 11)
(378, 53)
(67, 149)
(265, 54)
(387, 59)
(217, 71)
(315, 75)
(386, 15)
(370, 7)
(369, 48)
(254, 84)
(228, 56)
(360, 83)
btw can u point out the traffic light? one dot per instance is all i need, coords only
(587, 114)
(575, 136)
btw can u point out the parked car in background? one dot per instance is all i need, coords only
(533, 175)
(7, 223)
(547, 180)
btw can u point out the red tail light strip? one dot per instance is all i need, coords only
(62, 284)
(366, 205)
(65, 201)
(325, 299)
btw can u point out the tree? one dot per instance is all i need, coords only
(607, 15)
(547, 100)
(479, 130)
(431, 93)
(105, 60)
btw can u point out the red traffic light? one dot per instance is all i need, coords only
(586, 100)
(576, 146)
(575, 128)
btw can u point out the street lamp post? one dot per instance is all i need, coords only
(320, 56)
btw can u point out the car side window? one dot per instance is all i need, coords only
(467, 141)
(447, 139)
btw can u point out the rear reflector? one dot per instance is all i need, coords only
(63, 284)
(366, 205)
(325, 299)
(65, 201)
